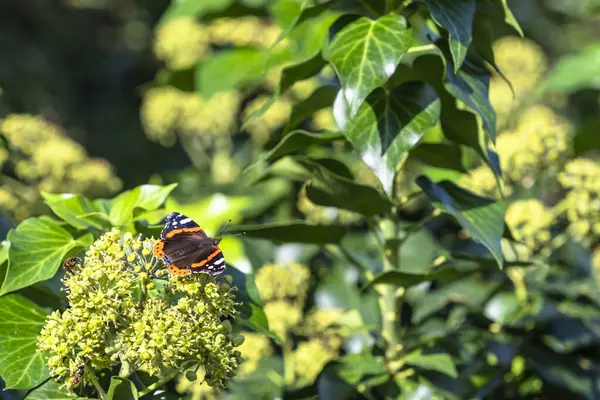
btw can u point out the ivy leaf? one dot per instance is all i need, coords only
(299, 140)
(440, 362)
(21, 321)
(76, 210)
(483, 218)
(471, 85)
(301, 11)
(52, 390)
(456, 16)
(321, 98)
(330, 189)
(388, 125)
(145, 197)
(121, 389)
(251, 308)
(243, 66)
(293, 232)
(37, 249)
(442, 155)
(365, 54)
(290, 75)
(509, 17)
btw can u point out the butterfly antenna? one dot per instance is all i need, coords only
(223, 228)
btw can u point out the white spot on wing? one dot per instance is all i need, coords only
(186, 220)
(220, 261)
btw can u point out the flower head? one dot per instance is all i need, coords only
(530, 222)
(117, 317)
(181, 43)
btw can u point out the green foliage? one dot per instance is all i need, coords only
(419, 218)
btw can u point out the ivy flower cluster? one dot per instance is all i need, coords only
(581, 179)
(32, 148)
(530, 221)
(119, 316)
(283, 288)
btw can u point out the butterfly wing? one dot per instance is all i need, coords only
(177, 224)
(186, 248)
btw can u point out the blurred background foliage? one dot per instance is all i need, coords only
(99, 96)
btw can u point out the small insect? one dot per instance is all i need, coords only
(185, 248)
(72, 262)
(76, 378)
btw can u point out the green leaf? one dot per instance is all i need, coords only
(509, 17)
(230, 69)
(330, 189)
(145, 197)
(321, 98)
(21, 321)
(356, 366)
(293, 232)
(38, 247)
(300, 10)
(575, 71)
(290, 75)
(435, 362)
(365, 54)
(483, 218)
(76, 210)
(456, 16)
(502, 308)
(405, 280)
(441, 155)
(121, 389)
(251, 307)
(388, 125)
(193, 8)
(471, 85)
(51, 390)
(300, 140)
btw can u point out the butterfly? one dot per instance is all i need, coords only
(185, 248)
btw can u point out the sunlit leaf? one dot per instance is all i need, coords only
(145, 197)
(456, 16)
(21, 321)
(389, 124)
(365, 55)
(586, 63)
(121, 389)
(483, 218)
(77, 210)
(440, 362)
(38, 248)
(52, 390)
(354, 367)
(509, 18)
(243, 66)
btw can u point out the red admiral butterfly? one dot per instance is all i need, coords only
(185, 248)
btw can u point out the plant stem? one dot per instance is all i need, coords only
(92, 377)
(288, 362)
(157, 384)
(342, 253)
(388, 294)
(426, 48)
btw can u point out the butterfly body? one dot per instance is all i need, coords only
(185, 248)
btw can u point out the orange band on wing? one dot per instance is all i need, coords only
(176, 231)
(173, 270)
(203, 262)
(159, 249)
